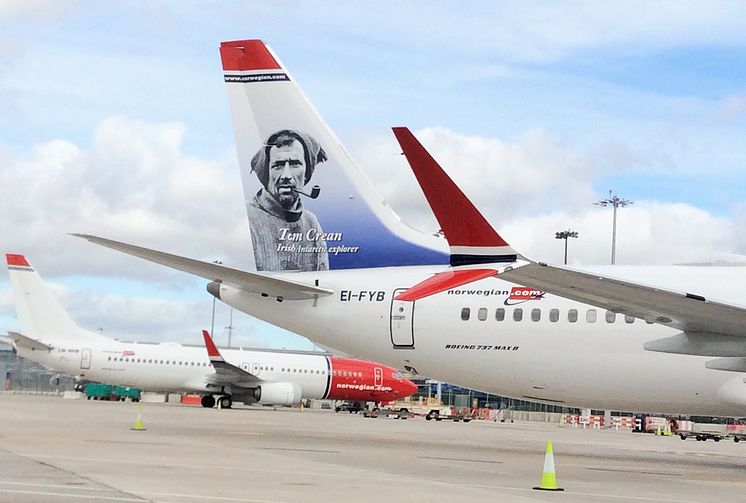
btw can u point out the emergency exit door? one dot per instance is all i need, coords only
(402, 322)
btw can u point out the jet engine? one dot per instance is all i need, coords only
(277, 393)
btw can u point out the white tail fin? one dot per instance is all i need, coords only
(309, 206)
(40, 315)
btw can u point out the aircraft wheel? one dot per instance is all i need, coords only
(208, 401)
(736, 439)
(716, 439)
(225, 402)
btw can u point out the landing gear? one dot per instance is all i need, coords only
(225, 402)
(208, 401)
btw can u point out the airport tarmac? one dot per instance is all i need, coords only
(52, 449)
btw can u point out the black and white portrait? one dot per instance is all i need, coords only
(286, 235)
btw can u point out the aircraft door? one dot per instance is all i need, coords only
(378, 377)
(246, 366)
(402, 322)
(85, 358)
(255, 369)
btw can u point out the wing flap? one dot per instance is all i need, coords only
(261, 283)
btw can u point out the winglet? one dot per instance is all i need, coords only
(212, 350)
(471, 238)
(16, 260)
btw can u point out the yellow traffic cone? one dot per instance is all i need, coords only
(549, 475)
(138, 422)
(658, 431)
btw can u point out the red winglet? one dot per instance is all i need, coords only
(459, 219)
(17, 260)
(442, 281)
(212, 350)
(247, 55)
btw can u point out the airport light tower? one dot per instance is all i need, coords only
(565, 235)
(615, 202)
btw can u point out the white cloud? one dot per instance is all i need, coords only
(133, 184)
(534, 186)
(36, 10)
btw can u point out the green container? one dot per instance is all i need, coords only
(122, 392)
(98, 391)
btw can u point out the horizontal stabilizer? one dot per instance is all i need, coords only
(247, 281)
(471, 238)
(443, 281)
(28, 343)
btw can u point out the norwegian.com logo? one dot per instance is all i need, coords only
(521, 294)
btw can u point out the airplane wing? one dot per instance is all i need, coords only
(689, 312)
(478, 251)
(26, 342)
(261, 283)
(226, 373)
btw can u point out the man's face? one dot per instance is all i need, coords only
(287, 171)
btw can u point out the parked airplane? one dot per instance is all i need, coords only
(467, 309)
(50, 337)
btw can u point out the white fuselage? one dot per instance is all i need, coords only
(545, 357)
(173, 367)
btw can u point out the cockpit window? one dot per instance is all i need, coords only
(397, 375)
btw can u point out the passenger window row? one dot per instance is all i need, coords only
(516, 314)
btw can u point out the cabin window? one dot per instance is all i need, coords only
(572, 315)
(110, 358)
(465, 313)
(517, 314)
(629, 319)
(482, 313)
(610, 317)
(590, 316)
(500, 314)
(535, 314)
(554, 315)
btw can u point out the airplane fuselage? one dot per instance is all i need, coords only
(174, 367)
(504, 339)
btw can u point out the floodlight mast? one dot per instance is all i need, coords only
(616, 202)
(565, 235)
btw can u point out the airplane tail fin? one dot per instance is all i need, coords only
(40, 314)
(309, 206)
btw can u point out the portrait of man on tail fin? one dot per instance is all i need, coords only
(286, 235)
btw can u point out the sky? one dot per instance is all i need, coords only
(115, 122)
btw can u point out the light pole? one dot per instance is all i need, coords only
(565, 235)
(615, 202)
(212, 323)
(230, 327)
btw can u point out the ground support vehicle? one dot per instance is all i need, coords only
(389, 413)
(450, 414)
(704, 431)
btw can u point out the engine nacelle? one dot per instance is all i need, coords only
(277, 393)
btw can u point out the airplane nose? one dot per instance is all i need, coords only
(408, 387)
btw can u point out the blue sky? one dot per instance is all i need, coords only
(105, 103)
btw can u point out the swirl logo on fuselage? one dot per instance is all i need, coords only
(521, 294)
